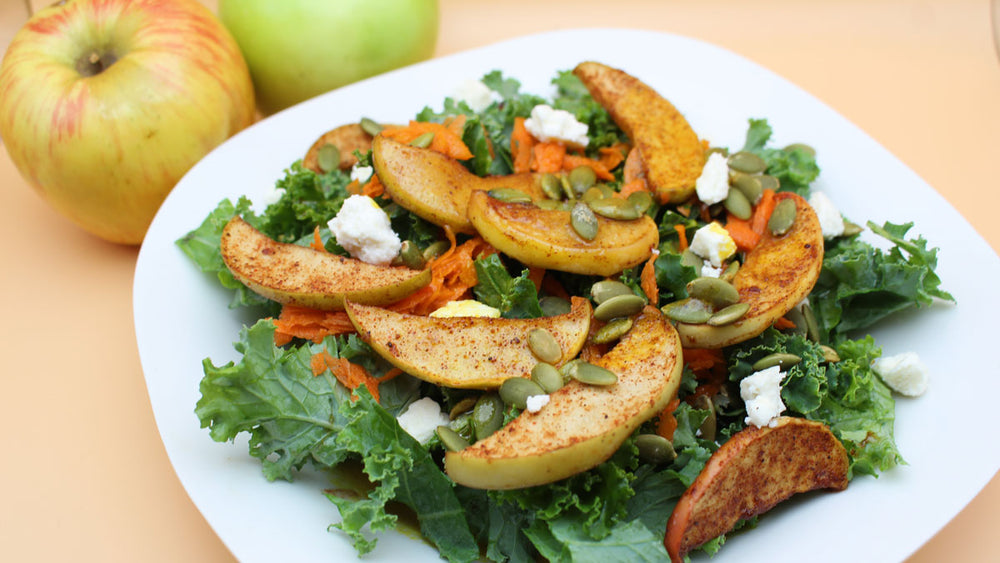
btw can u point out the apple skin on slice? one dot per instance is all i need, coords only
(671, 153)
(436, 187)
(777, 274)
(582, 425)
(298, 275)
(751, 473)
(466, 352)
(544, 238)
(347, 138)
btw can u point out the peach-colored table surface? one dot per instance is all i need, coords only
(84, 476)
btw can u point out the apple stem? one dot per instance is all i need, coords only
(95, 63)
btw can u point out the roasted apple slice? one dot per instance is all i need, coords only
(544, 238)
(751, 473)
(289, 273)
(434, 186)
(466, 352)
(582, 425)
(670, 151)
(347, 138)
(777, 274)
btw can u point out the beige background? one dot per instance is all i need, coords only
(84, 475)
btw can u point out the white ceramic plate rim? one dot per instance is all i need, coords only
(181, 316)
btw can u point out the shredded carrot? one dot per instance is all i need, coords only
(571, 161)
(741, 233)
(456, 124)
(667, 424)
(354, 187)
(317, 242)
(547, 157)
(392, 373)
(536, 275)
(350, 374)
(446, 140)
(629, 188)
(310, 324)
(521, 143)
(647, 279)
(709, 367)
(682, 237)
(634, 169)
(783, 324)
(374, 188)
(762, 212)
(612, 156)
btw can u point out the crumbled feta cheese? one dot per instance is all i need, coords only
(761, 392)
(466, 308)
(548, 124)
(422, 418)
(475, 94)
(830, 219)
(710, 271)
(361, 174)
(536, 402)
(903, 373)
(713, 184)
(363, 229)
(713, 243)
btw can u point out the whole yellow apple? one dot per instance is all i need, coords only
(297, 49)
(105, 104)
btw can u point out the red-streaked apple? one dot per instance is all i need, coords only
(106, 104)
(297, 49)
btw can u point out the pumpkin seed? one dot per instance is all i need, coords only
(780, 359)
(708, 427)
(782, 218)
(551, 186)
(812, 327)
(606, 289)
(583, 221)
(592, 374)
(410, 256)
(487, 415)
(829, 354)
(655, 449)
(509, 195)
(802, 147)
(619, 306)
(612, 331)
(730, 272)
(423, 141)
(749, 185)
(689, 258)
(581, 178)
(615, 208)
(688, 311)
(435, 249)
(746, 162)
(642, 201)
(567, 188)
(851, 229)
(370, 126)
(328, 157)
(547, 377)
(515, 391)
(552, 306)
(729, 314)
(550, 204)
(738, 204)
(544, 346)
(768, 182)
(568, 370)
(592, 194)
(462, 407)
(715, 291)
(451, 440)
(721, 150)
(607, 190)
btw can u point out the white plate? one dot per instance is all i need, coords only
(181, 316)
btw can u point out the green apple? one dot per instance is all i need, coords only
(297, 49)
(105, 104)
